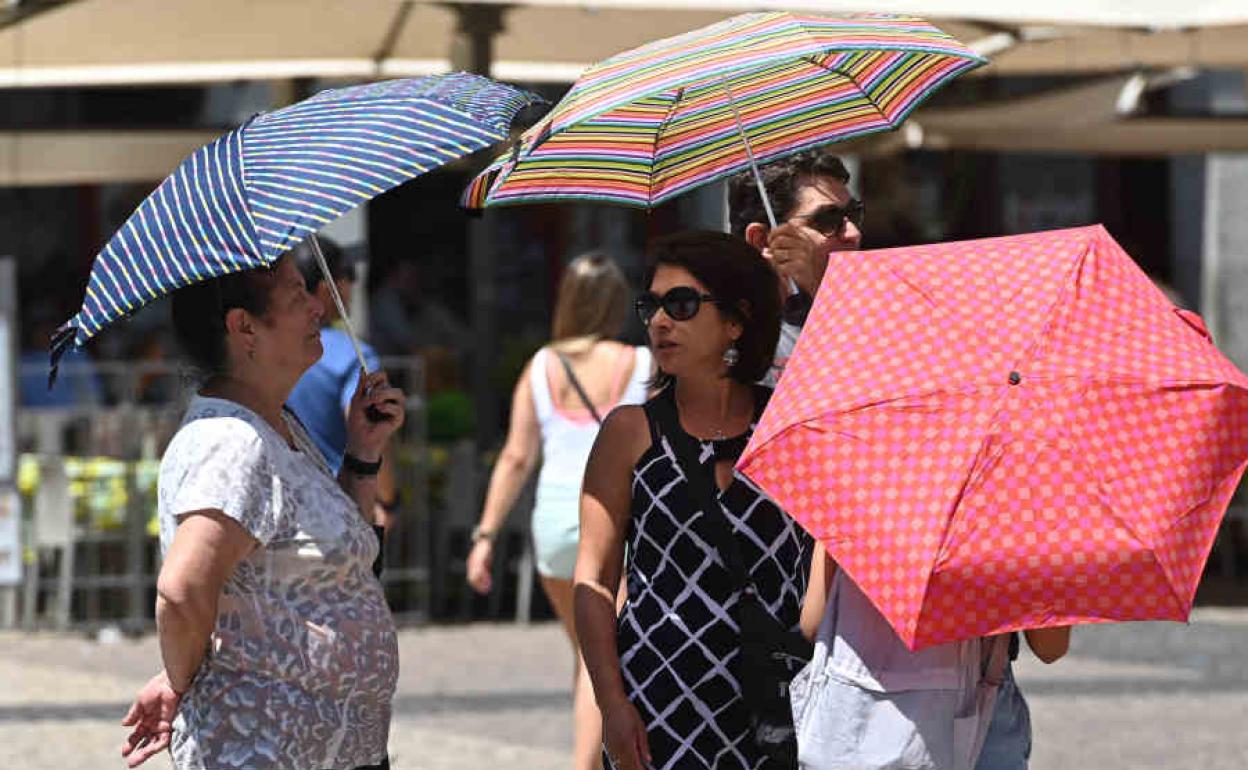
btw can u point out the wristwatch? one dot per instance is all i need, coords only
(360, 467)
(479, 534)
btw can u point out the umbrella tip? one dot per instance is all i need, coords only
(62, 340)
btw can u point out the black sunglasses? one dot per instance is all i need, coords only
(680, 303)
(830, 220)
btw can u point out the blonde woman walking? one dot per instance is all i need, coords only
(565, 391)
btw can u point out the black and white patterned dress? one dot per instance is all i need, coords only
(677, 635)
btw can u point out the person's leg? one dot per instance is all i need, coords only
(587, 754)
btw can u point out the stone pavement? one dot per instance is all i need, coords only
(1137, 696)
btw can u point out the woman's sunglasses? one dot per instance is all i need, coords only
(680, 303)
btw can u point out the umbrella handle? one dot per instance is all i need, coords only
(758, 177)
(342, 309)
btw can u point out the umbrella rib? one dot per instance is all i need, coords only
(658, 134)
(813, 60)
(1046, 330)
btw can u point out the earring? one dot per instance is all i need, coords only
(251, 354)
(732, 356)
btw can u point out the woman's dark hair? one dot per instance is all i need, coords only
(745, 288)
(199, 313)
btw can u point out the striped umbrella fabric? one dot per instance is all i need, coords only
(245, 199)
(649, 124)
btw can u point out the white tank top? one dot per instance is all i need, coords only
(568, 434)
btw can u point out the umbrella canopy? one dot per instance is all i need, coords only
(1007, 433)
(246, 198)
(649, 124)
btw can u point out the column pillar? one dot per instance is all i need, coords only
(472, 48)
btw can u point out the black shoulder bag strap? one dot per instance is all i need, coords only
(701, 485)
(576, 385)
(770, 654)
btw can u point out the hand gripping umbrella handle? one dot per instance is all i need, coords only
(758, 177)
(342, 309)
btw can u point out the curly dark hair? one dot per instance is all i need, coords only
(310, 269)
(745, 288)
(781, 178)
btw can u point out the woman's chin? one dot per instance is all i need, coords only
(666, 354)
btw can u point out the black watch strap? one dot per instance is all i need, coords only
(360, 467)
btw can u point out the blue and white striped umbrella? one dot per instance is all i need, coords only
(244, 200)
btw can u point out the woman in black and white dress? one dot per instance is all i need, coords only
(663, 675)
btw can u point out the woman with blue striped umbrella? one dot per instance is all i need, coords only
(279, 650)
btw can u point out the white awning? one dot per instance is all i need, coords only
(1082, 119)
(94, 157)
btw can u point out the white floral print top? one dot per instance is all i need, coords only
(303, 661)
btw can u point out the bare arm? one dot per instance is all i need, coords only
(822, 570)
(367, 439)
(1048, 644)
(517, 460)
(511, 471)
(605, 499)
(206, 548)
(387, 490)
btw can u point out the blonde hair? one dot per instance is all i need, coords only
(593, 299)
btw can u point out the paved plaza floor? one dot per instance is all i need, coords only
(1157, 695)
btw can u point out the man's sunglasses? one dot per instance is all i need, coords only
(680, 303)
(830, 220)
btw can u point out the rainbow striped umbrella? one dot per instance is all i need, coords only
(649, 124)
(244, 200)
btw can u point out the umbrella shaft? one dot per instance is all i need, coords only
(758, 176)
(342, 309)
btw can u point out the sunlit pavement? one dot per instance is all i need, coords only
(1153, 695)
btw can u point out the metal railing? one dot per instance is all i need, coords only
(88, 482)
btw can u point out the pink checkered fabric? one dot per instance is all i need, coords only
(1006, 433)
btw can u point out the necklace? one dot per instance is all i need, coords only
(717, 432)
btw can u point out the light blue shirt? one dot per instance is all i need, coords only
(77, 383)
(321, 397)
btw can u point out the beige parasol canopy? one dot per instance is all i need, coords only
(167, 41)
(92, 42)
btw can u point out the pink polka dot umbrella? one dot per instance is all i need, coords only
(1007, 433)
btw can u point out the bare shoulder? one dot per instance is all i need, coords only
(625, 435)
